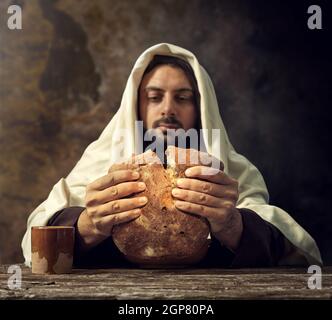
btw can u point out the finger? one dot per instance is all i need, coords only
(199, 209)
(209, 174)
(121, 205)
(196, 197)
(209, 160)
(213, 189)
(123, 216)
(118, 191)
(112, 179)
(107, 222)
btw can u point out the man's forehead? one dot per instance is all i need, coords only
(161, 89)
(164, 78)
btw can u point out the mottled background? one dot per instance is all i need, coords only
(63, 75)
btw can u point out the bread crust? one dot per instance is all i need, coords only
(162, 236)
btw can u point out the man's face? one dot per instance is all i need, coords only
(167, 100)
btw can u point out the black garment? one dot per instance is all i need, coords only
(261, 245)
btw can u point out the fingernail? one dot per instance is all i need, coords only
(137, 212)
(135, 175)
(188, 172)
(141, 186)
(179, 203)
(175, 192)
(143, 200)
(180, 182)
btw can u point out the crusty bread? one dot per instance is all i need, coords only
(163, 235)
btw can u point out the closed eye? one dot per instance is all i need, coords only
(154, 98)
(184, 98)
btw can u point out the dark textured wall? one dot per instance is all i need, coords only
(63, 75)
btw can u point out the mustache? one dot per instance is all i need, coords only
(167, 120)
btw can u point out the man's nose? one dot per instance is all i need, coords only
(168, 107)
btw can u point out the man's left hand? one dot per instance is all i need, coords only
(212, 194)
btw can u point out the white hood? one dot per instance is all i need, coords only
(100, 154)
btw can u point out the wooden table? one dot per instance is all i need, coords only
(168, 284)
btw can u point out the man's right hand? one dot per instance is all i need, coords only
(106, 205)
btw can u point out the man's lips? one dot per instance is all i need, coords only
(168, 126)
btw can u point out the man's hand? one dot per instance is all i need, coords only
(213, 198)
(106, 203)
(106, 206)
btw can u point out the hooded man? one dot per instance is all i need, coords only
(167, 90)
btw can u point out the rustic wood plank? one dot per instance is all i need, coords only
(280, 283)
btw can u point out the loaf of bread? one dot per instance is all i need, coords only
(162, 236)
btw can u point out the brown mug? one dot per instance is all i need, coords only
(52, 249)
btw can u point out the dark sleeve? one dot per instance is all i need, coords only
(261, 244)
(66, 217)
(105, 254)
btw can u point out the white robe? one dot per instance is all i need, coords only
(100, 154)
